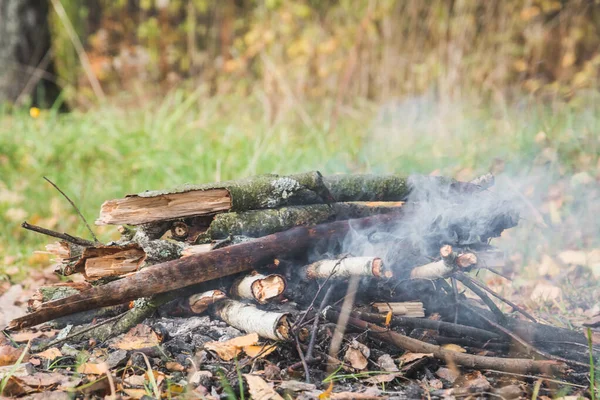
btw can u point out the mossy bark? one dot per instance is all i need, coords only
(258, 223)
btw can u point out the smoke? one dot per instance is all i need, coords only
(545, 159)
(435, 214)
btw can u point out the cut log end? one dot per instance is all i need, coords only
(200, 302)
(466, 260)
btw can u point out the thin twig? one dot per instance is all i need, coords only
(559, 382)
(342, 321)
(503, 299)
(531, 348)
(321, 286)
(75, 207)
(80, 331)
(302, 359)
(315, 327)
(484, 297)
(64, 236)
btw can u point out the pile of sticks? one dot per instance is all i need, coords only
(277, 255)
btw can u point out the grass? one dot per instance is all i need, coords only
(190, 137)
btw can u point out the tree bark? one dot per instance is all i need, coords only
(26, 66)
(258, 223)
(199, 268)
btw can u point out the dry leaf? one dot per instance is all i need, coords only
(139, 337)
(449, 374)
(258, 350)
(174, 366)
(297, 386)
(453, 347)
(259, 389)
(386, 363)
(357, 355)
(135, 380)
(135, 393)
(544, 291)
(93, 369)
(474, 380)
(26, 336)
(9, 355)
(382, 378)
(50, 354)
(229, 349)
(327, 393)
(409, 357)
(388, 318)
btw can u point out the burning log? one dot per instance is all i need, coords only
(409, 309)
(246, 317)
(443, 268)
(344, 268)
(258, 287)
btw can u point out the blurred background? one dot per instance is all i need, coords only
(114, 97)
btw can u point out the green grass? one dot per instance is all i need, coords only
(189, 137)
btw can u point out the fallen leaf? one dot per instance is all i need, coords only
(92, 368)
(453, 347)
(229, 349)
(174, 366)
(386, 363)
(388, 318)
(26, 336)
(448, 374)
(135, 393)
(9, 355)
(259, 389)
(357, 355)
(409, 357)
(382, 378)
(260, 351)
(50, 354)
(544, 291)
(327, 393)
(575, 257)
(474, 380)
(297, 386)
(135, 380)
(139, 337)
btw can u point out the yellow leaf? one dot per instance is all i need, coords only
(229, 349)
(327, 393)
(410, 357)
(258, 350)
(50, 354)
(388, 318)
(93, 369)
(454, 347)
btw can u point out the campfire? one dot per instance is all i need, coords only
(328, 273)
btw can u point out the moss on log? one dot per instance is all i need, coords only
(257, 223)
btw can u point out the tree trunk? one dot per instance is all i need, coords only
(26, 67)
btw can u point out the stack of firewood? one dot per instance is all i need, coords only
(269, 253)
